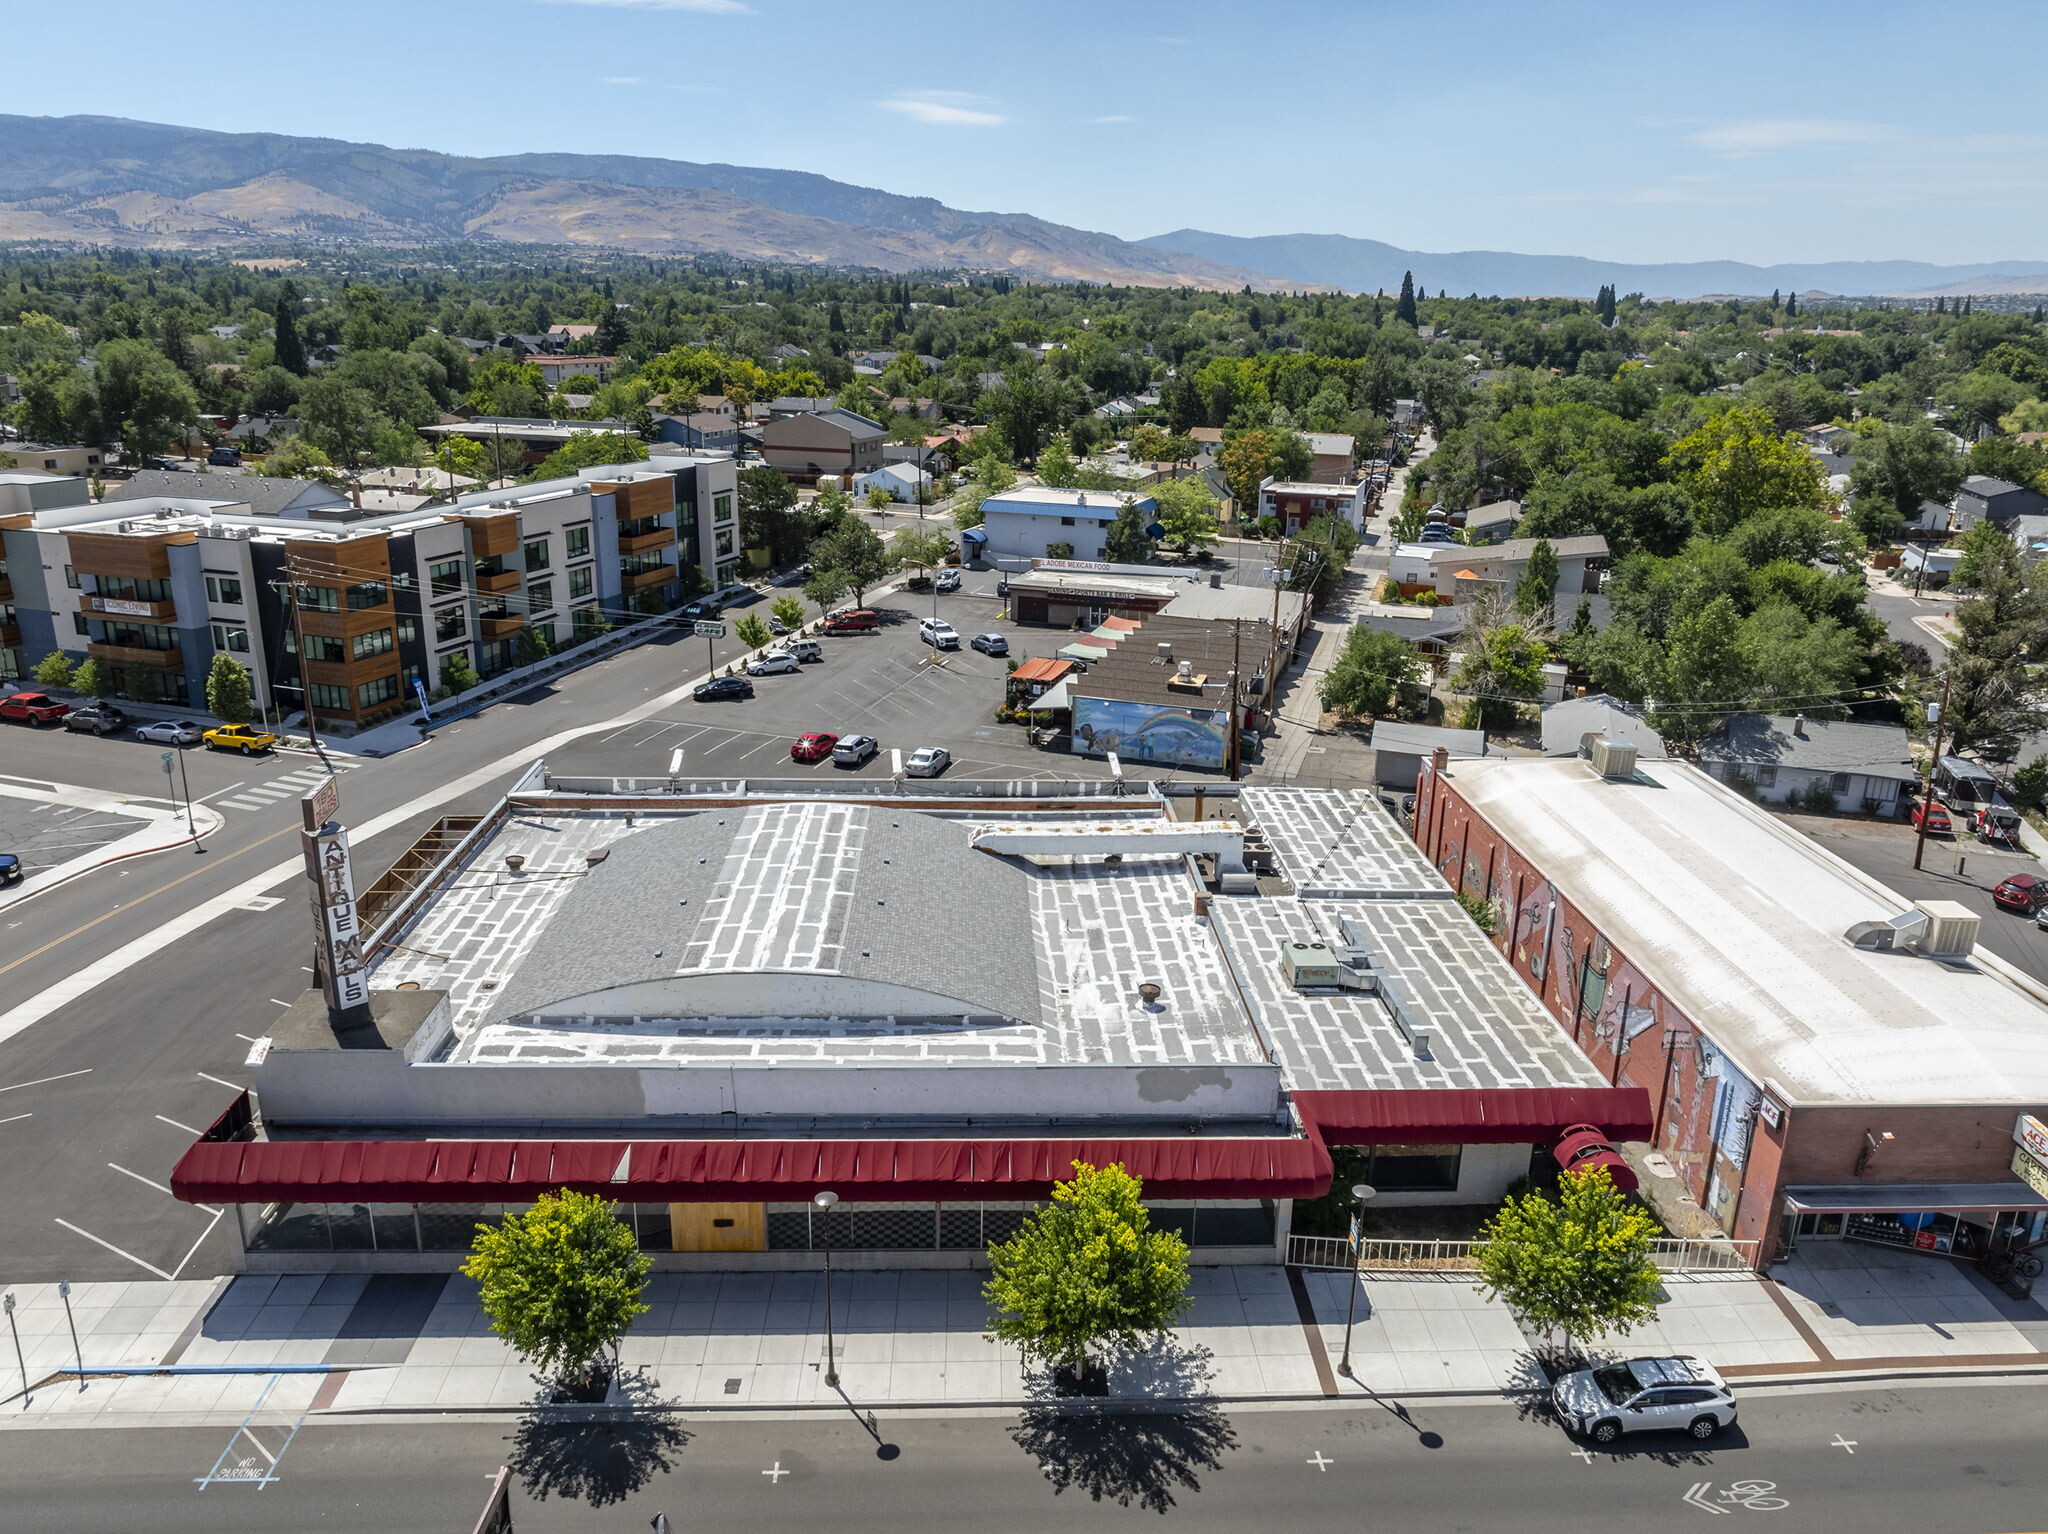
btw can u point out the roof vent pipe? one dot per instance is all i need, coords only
(1440, 761)
(1799, 725)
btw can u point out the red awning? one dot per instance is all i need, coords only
(1473, 1115)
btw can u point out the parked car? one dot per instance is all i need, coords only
(224, 458)
(36, 708)
(722, 687)
(245, 738)
(990, 644)
(712, 603)
(939, 634)
(99, 718)
(927, 762)
(11, 871)
(852, 750)
(774, 663)
(814, 747)
(172, 732)
(852, 620)
(806, 650)
(776, 625)
(1680, 1394)
(794, 577)
(2024, 893)
(1938, 823)
(948, 580)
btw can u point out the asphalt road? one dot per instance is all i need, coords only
(106, 1078)
(1929, 1460)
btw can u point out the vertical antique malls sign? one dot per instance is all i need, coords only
(338, 936)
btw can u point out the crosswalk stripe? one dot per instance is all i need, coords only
(245, 804)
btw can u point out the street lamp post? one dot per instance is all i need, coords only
(1363, 1192)
(64, 1293)
(823, 1203)
(19, 1362)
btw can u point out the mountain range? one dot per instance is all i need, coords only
(108, 180)
(1368, 266)
(112, 181)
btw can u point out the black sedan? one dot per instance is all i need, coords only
(722, 687)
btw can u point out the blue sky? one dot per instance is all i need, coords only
(1627, 131)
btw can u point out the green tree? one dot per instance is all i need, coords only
(826, 587)
(53, 670)
(1374, 675)
(911, 548)
(296, 458)
(145, 398)
(1126, 542)
(92, 679)
(561, 1282)
(752, 632)
(230, 696)
(1404, 306)
(271, 390)
(340, 419)
(2015, 462)
(594, 450)
(289, 349)
(1987, 557)
(463, 457)
(1252, 456)
(852, 551)
(457, 675)
(1738, 463)
(1896, 468)
(1705, 674)
(1575, 1266)
(1537, 589)
(1056, 466)
(1087, 1272)
(767, 500)
(2030, 785)
(788, 611)
(1503, 667)
(1186, 514)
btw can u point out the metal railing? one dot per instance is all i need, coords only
(1671, 1254)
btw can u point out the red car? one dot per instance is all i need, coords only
(1937, 819)
(854, 620)
(814, 747)
(2022, 893)
(37, 708)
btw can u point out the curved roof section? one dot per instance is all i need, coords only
(829, 889)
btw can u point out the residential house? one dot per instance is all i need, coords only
(1853, 765)
(1334, 455)
(1464, 574)
(554, 369)
(1984, 499)
(1296, 503)
(254, 429)
(525, 346)
(700, 431)
(1569, 725)
(899, 481)
(2030, 536)
(1399, 750)
(1494, 522)
(571, 334)
(1041, 522)
(53, 459)
(822, 442)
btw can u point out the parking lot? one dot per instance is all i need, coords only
(43, 834)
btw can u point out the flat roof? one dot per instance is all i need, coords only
(1233, 603)
(1440, 977)
(1340, 843)
(1740, 921)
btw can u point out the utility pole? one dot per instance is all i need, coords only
(291, 590)
(1233, 743)
(1927, 798)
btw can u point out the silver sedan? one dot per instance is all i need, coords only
(172, 732)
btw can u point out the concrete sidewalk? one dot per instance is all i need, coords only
(418, 1342)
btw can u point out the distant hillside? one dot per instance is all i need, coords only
(1368, 265)
(107, 180)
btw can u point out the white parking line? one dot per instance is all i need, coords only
(17, 1118)
(176, 1125)
(146, 1266)
(232, 1086)
(675, 761)
(46, 1080)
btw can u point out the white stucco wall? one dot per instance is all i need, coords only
(1484, 1172)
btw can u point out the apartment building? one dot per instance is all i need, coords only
(354, 613)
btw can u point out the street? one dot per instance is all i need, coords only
(1870, 1457)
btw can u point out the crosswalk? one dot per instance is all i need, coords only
(289, 785)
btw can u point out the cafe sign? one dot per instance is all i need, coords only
(2032, 1134)
(2029, 1171)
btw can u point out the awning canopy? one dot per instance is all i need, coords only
(1079, 651)
(1059, 695)
(1912, 1197)
(1474, 1115)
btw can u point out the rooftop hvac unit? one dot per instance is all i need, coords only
(1951, 930)
(1309, 964)
(1165, 652)
(1613, 759)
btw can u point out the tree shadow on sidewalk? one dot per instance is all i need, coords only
(598, 1455)
(1125, 1449)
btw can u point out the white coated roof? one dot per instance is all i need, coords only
(1739, 921)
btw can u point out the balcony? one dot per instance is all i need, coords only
(127, 607)
(638, 543)
(135, 655)
(501, 627)
(659, 575)
(504, 580)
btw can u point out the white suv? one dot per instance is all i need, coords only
(939, 634)
(1680, 1394)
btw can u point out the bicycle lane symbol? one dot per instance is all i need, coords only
(1757, 1496)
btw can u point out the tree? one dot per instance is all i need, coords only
(826, 587)
(1987, 557)
(852, 551)
(1087, 1272)
(296, 458)
(2030, 785)
(1575, 1266)
(339, 418)
(464, 458)
(1056, 466)
(766, 500)
(1537, 589)
(787, 611)
(1704, 675)
(92, 679)
(752, 632)
(1375, 674)
(1896, 468)
(1738, 463)
(229, 694)
(1127, 540)
(457, 675)
(53, 670)
(1404, 307)
(2015, 462)
(1186, 514)
(1503, 666)
(271, 390)
(144, 397)
(561, 1282)
(290, 350)
(1262, 453)
(594, 450)
(918, 549)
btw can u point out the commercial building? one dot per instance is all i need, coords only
(813, 443)
(711, 1002)
(1042, 522)
(371, 603)
(1825, 1059)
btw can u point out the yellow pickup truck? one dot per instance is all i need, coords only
(244, 738)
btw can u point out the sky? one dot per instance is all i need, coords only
(1659, 132)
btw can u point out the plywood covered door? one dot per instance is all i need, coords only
(718, 1227)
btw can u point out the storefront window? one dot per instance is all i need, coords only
(1414, 1168)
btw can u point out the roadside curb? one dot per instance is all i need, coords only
(184, 838)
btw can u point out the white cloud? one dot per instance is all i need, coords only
(703, 7)
(944, 109)
(621, 80)
(1761, 135)
(1115, 118)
